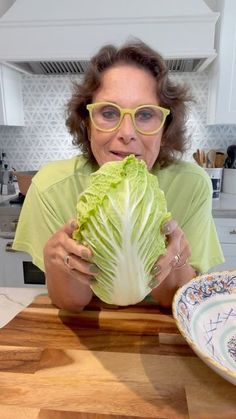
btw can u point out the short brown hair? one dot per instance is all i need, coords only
(171, 95)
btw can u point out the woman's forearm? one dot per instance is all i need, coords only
(165, 292)
(67, 292)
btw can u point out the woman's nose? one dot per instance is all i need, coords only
(127, 130)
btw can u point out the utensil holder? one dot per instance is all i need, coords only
(229, 181)
(216, 180)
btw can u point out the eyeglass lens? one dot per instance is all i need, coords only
(147, 118)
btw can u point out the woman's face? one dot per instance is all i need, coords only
(128, 87)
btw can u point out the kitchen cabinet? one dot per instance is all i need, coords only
(11, 99)
(226, 229)
(222, 74)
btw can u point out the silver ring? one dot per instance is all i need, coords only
(176, 260)
(66, 260)
(181, 266)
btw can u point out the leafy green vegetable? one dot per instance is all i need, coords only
(119, 217)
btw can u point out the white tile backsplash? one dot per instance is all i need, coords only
(45, 138)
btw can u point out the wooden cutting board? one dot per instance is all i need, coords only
(104, 363)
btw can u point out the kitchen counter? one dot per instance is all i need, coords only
(225, 207)
(105, 362)
(9, 209)
(4, 198)
(7, 197)
(13, 300)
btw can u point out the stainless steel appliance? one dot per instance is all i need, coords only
(16, 268)
(7, 186)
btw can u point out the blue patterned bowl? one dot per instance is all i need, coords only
(205, 314)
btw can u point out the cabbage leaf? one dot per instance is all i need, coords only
(119, 217)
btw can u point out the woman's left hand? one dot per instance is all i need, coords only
(172, 269)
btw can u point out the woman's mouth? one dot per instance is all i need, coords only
(122, 155)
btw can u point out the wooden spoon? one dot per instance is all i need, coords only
(220, 159)
(211, 158)
(196, 158)
(202, 158)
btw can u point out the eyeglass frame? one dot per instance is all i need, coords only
(129, 111)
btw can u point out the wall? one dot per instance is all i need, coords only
(45, 138)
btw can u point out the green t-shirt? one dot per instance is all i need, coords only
(52, 197)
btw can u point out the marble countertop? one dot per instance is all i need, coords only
(13, 300)
(225, 207)
(4, 198)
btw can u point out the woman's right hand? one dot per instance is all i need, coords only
(68, 269)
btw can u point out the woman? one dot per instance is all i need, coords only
(126, 104)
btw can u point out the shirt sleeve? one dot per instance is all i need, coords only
(37, 222)
(188, 191)
(200, 230)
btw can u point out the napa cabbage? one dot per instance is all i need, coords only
(119, 217)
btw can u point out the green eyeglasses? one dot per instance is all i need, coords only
(147, 119)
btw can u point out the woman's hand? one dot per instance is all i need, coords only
(68, 270)
(172, 269)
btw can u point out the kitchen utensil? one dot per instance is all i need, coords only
(220, 159)
(196, 158)
(4, 181)
(201, 157)
(230, 162)
(205, 310)
(211, 156)
(24, 180)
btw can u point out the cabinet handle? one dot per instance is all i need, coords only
(232, 231)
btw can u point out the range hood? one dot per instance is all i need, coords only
(60, 36)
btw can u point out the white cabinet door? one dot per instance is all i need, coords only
(226, 229)
(229, 251)
(11, 99)
(222, 75)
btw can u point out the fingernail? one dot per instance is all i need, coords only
(85, 255)
(93, 269)
(155, 270)
(166, 229)
(153, 283)
(73, 224)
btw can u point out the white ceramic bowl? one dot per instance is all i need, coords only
(205, 314)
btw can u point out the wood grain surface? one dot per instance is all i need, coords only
(105, 362)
